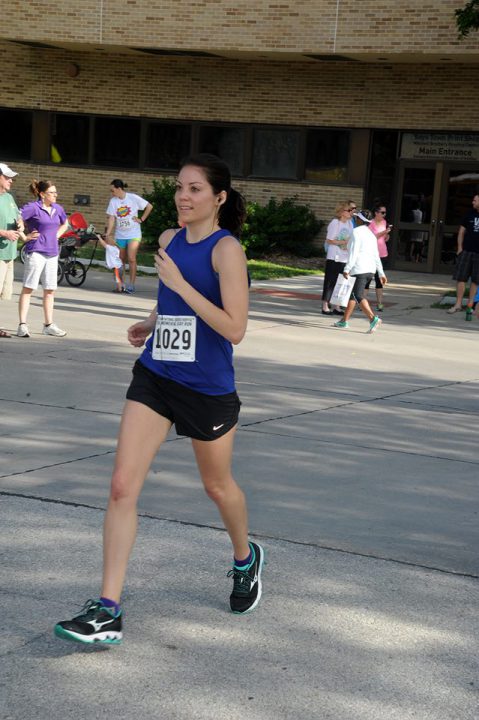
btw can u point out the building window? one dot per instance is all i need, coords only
(327, 153)
(384, 152)
(69, 139)
(228, 143)
(318, 155)
(166, 145)
(117, 142)
(275, 153)
(16, 134)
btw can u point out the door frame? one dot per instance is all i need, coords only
(436, 227)
(431, 227)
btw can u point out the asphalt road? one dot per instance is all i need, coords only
(358, 455)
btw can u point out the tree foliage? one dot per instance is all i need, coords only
(164, 214)
(467, 18)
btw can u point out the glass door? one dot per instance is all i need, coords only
(431, 201)
(415, 225)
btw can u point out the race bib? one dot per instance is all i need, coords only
(174, 338)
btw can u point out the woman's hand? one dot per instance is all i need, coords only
(138, 333)
(32, 235)
(168, 271)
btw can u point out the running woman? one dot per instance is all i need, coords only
(125, 223)
(184, 377)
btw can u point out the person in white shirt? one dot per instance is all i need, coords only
(362, 263)
(125, 224)
(113, 261)
(338, 235)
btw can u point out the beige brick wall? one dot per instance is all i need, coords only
(284, 26)
(420, 96)
(331, 94)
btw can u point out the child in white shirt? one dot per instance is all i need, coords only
(113, 261)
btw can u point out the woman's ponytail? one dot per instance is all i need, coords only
(232, 213)
(38, 186)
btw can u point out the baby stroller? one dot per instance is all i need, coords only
(80, 233)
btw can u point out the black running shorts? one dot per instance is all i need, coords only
(194, 414)
(359, 286)
(467, 266)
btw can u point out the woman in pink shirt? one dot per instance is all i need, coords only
(381, 229)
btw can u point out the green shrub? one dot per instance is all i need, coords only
(285, 225)
(163, 215)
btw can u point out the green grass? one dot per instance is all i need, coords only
(263, 270)
(258, 269)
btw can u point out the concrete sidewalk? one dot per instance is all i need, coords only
(359, 460)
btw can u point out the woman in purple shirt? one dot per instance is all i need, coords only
(46, 221)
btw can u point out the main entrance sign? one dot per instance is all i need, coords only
(440, 146)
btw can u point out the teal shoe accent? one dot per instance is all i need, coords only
(374, 324)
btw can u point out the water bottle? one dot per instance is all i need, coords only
(469, 313)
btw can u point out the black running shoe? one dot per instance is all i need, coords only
(95, 624)
(247, 583)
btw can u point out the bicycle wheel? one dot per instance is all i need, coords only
(23, 253)
(60, 272)
(75, 273)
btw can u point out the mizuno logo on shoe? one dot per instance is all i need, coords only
(217, 427)
(98, 625)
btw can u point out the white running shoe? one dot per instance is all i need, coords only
(54, 330)
(23, 330)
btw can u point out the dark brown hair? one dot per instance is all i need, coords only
(117, 183)
(38, 186)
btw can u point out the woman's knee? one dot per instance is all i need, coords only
(219, 489)
(123, 487)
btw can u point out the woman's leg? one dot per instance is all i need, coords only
(379, 289)
(214, 463)
(48, 300)
(361, 282)
(142, 432)
(328, 283)
(133, 246)
(366, 308)
(350, 308)
(24, 304)
(123, 255)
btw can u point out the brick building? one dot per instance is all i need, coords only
(327, 100)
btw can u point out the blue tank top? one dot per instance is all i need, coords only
(211, 371)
